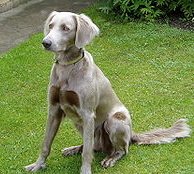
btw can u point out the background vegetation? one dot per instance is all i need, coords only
(148, 10)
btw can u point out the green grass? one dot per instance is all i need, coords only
(151, 68)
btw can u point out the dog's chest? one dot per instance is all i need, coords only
(62, 76)
(63, 92)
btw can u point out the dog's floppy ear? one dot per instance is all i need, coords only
(86, 31)
(46, 25)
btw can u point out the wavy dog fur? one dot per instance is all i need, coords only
(179, 129)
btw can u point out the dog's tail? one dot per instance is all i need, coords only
(179, 129)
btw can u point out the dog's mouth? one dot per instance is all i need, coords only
(52, 48)
(47, 49)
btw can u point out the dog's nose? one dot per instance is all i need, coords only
(47, 43)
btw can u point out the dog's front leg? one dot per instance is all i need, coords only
(88, 142)
(53, 122)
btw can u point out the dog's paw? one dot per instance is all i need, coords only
(108, 162)
(71, 150)
(68, 152)
(35, 167)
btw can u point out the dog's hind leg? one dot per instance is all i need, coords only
(118, 126)
(72, 150)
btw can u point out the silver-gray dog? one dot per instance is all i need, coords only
(79, 90)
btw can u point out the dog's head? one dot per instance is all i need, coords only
(65, 29)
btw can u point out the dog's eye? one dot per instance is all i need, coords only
(50, 26)
(65, 28)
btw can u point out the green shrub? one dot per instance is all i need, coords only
(148, 10)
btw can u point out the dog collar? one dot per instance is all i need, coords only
(65, 63)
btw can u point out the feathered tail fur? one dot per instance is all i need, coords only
(179, 129)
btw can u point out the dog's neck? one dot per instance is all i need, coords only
(70, 56)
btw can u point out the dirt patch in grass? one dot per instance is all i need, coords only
(179, 23)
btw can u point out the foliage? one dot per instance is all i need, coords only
(148, 10)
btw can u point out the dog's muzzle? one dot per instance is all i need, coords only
(47, 43)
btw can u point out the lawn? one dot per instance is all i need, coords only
(151, 68)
